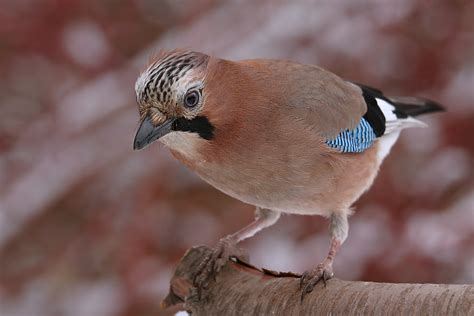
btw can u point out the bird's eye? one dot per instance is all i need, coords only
(191, 99)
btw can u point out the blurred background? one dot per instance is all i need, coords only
(89, 227)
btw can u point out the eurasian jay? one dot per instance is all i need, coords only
(283, 136)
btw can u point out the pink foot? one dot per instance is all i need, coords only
(309, 279)
(215, 261)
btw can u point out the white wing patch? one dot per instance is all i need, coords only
(387, 110)
(394, 123)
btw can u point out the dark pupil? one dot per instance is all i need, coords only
(191, 99)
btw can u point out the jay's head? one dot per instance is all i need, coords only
(171, 95)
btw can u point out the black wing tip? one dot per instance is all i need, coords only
(412, 106)
(423, 107)
(434, 106)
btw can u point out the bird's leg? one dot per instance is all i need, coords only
(227, 247)
(338, 228)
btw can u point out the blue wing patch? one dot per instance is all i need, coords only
(356, 140)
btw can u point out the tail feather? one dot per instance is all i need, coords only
(414, 106)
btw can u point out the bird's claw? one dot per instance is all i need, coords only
(215, 261)
(309, 279)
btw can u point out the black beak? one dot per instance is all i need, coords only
(147, 133)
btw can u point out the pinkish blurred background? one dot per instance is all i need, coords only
(89, 227)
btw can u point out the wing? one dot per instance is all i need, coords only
(384, 116)
(348, 115)
(319, 99)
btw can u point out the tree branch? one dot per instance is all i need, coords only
(241, 289)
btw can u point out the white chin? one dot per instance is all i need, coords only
(185, 143)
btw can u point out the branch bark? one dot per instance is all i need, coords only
(242, 289)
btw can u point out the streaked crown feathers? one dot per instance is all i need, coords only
(167, 77)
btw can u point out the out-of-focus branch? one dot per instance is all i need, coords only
(241, 289)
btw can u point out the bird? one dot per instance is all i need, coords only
(282, 136)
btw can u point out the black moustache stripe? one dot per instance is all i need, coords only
(199, 124)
